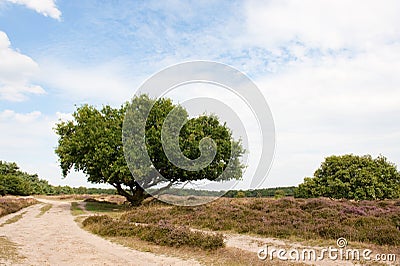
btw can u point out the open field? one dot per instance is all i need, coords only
(52, 232)
(375, 222)
(249, 223)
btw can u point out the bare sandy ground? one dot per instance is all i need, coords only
(55, 239)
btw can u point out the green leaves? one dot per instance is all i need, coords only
(15, 182)
(97, 142)
(353, 177)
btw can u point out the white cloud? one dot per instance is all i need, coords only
(366, 84)
(334, 81)
(20, 118)
(16, 72)
(322, 24)
(24, 133)
(334, 105)
(108, 83)
(64, 116)
(47, 8)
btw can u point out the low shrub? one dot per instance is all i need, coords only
(162, 233)
(375, 230)
(11, 204)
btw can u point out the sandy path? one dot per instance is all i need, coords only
(55, 239)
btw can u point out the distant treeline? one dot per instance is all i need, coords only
(252, 193)
(262, 192)
(15, 182)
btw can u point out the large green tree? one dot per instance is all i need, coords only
(353, 177)
(92, 143)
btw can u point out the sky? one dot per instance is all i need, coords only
(329, 70)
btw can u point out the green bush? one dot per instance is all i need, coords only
(280, 193)
(352, 177)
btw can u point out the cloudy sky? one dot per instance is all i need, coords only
(330, 70)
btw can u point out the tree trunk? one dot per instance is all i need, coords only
(137, 196)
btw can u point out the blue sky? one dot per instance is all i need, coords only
(328, 69)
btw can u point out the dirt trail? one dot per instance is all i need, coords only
(54, 238)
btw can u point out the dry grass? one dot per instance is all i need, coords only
(9, 252)
(10, 204)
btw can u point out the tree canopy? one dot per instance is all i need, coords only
(92, 143)
(353, 177)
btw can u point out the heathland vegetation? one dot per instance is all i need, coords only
(12, 204)
(370, 222)
(162, 233)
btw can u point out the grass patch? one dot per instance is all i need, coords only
(103, 206)
(13, 204)
(14, 219)
(162, 233)
(370, 222)
(9, 252)
(44, 209)
(76, 209)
